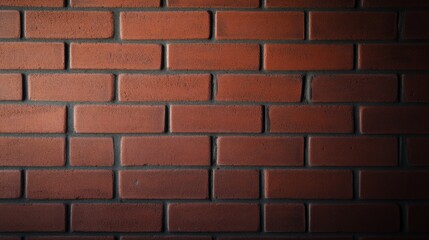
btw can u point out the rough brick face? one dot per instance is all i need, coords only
(68, 25)
(214, 119)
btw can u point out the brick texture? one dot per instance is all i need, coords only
(214, 119)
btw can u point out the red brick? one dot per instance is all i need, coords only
(186, 87)
(259, 88)
(31, 55)
(32, 218)
(70, 238)
(286, 238)
(415, 88)
(297, 57)
(32, 3)
(354, 88)
(118, 217)
(165, 151)
(69, 184)
(284, 217)
(236, 184)
(213, 56)
(309, 184)
(10, 184)
(11, 24)
(213, 217)
(399, 184)
(354, 218)
(418, 151)
(68, 24)
(10, 238)
(70, 87)
(392, 238)
(394, 119)
(393, 56)
(115, 3)
(394, 3)
(416, 25)
(164, 184)
(260, 25)
(353, 151)
(32, 118)
(311, 3)
(10, 87)
(213, 3)
(311, 119)
(167, 238)
(26, 151)
(216, 119)
(115, 56)
(260, 151)
(91, 151)
(352, 25)
(165, 25)
(119, 119)
(417, 218)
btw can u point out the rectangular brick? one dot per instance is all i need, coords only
(11, 24)
(394, 3)
(301, 57)
(311, 3)
(71, 87)
(259, 88)
(115, 3)
(91, 151)
(168, 88)
(235, 184)
(32, 3)
(213, 3)
(393, 56)
(354, 88)
(311, 119)
(69, 184)
(165, 25)
(19, 118)
(11, 87)
(354, 218)
(260, 151)
(417, 218)
(32, 218)
(68, 24)
(31, 56)
(10, 184)
(113, 56)
(308, 184)
(394, 119)
(353, 151)
(352, 25)
(418, 151)
(216, 119)
(411, 21)
(415, 88)
(70, 238)
(259, 25)
(170, 237)
(213, 56)
(165, 151)
(119, 119)
(399, 184)
(117, 217)
(213, 217)
(284, 217)
(26, 151)
(164, 184)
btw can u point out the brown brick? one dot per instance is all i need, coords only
(91, 151)
(10, 87)
(165, 151)
(260, 151)
(11, 24)
(284, 217)
(10, 184)
(236, 184)
(164, 184)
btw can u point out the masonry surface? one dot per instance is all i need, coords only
(214, 119)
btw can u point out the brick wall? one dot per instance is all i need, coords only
(214, 119)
